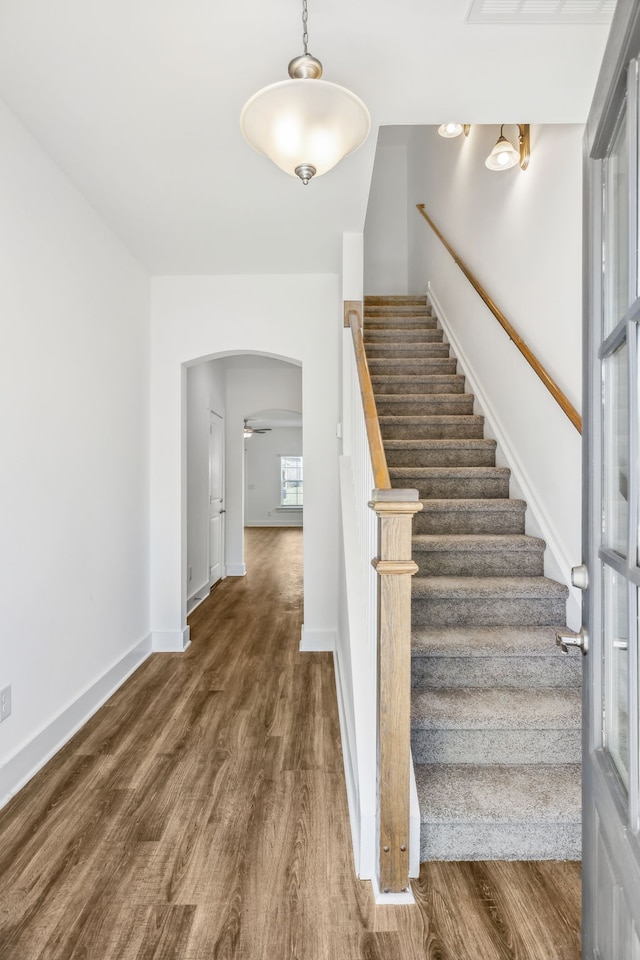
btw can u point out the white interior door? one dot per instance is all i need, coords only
(611, 767)
(216, 497)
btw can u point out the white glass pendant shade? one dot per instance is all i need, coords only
(305, 123)
(449, 130)
(503, 156)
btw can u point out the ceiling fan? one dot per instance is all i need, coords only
(249, 431)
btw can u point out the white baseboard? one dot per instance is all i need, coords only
(317, 641)
(171, 641)
(198, 596)
(236, 570)
(25, 763)
(561, 563)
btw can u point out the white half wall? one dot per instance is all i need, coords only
(520, 233)
(74, 483)
(262, 459)
(296, 318)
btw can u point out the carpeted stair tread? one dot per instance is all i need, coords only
(499, 793)
(477, 515)
(416, 349)
(392, 322)
(417, 383)
(394, 298)
(509, 708)
(465, 588)
(459, 451)
(463, 542)
(493, 641)
(402, 473)
(499, 811)
(389, 336)
(436, 427)
(411, 365)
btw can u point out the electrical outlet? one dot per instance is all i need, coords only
(5, 703)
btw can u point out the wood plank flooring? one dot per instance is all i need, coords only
(201, 815)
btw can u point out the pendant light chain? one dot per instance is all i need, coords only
(305, 34)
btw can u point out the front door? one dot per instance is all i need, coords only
(611, 844)
(216, 494)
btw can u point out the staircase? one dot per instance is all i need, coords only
(495, 704)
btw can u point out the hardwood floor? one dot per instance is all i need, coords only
(201, 815)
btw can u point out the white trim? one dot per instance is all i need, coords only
(198, 596)
(561, 563)
(414, 824)
(171, 641)
(30, 758)
(349, 767)
(317, 641)
(236, 570)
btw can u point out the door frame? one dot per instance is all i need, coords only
(605, 800)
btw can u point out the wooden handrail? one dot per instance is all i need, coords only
(353, 314)
(525, 350)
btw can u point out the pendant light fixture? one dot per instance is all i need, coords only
(305, 125)
(504, 155)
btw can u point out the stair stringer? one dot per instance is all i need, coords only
(558, 563)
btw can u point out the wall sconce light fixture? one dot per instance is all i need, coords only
(449, 130)
(504, 155)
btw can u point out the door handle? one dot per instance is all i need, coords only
(223, 511)
(577, 640)
(580, 577)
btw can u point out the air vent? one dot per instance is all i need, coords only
(541, 11)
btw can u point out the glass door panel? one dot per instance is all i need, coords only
(616, 229)
(615, 507)
(616, 670)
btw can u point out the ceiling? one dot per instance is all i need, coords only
(138, 102)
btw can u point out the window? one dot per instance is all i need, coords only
(290, 481)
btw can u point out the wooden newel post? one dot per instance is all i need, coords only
(395, 569)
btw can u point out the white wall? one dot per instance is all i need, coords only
(262, 476)
(385, 230)
(292, 317)
(74, 402)
(520, 232)
(206, 387)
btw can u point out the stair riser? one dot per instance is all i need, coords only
(468, 521)
(466, 428)
(456, 488)
(456, 611)
(399, 299)
(478, 563)
(421, 350)
(411, 367)
(511, 841)
(496, 746)
(522, 672)
(431, 405)
(484, 456)
(402, 337)
(425, 384)
(400, 323)
(396, 310)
